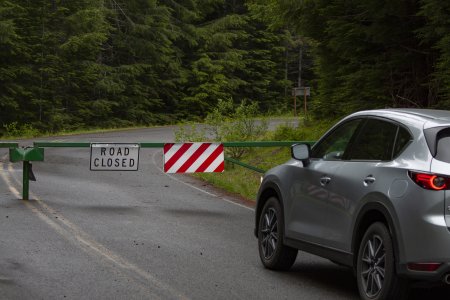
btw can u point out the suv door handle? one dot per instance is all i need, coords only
(369, 180)
(325, 180)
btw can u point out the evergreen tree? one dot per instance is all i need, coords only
(367, 53)
(14, 53)
(436, 34)
(81, 46)
(146, 59)
(237, 58)
(218, 56)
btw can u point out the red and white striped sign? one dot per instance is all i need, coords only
(193, 158)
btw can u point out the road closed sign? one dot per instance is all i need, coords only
(114, 157)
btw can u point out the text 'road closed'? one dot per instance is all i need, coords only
(114, 157)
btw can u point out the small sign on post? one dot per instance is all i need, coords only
(114, 157)
(301, 91)
(304, 91)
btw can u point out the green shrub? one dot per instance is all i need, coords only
(15, 130)
(308, 131)
(285, 132)
(225, 123)
(191, 133)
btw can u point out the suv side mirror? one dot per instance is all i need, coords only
(301, 152)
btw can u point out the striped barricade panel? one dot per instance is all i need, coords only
(193, 157)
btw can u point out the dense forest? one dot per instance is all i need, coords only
(373, 53)
(107, 63)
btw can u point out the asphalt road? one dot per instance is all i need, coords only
(141, 235)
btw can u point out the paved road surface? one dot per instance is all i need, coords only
(141, 235)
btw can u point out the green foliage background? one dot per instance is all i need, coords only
(110, 63)
(68, 65)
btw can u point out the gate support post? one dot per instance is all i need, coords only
(26, 180)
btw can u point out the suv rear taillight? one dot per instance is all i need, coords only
(430, 181)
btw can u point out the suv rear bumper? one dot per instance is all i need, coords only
(435, 276)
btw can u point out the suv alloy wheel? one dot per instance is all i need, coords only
(375, 271)
(273, 254)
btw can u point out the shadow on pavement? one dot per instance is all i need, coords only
(341, 281)
(194, 213)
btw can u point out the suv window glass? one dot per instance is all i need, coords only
(333, 146)
(374, 142)
(403, 138)
(443, 145)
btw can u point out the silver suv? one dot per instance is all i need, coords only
(373, 194)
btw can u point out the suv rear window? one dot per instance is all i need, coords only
(438, 140)
(443, 145)
(374, 142)
(379, 140)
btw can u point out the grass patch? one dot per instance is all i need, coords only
(243, 182)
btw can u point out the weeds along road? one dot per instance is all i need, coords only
(139, 235)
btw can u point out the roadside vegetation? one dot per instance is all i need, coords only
(237, 123)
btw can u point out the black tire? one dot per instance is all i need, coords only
(375, 268)
(273, 253)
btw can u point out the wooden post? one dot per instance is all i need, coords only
(304, 100)
(295, 105)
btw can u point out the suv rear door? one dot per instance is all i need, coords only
(367, 171)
